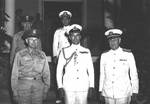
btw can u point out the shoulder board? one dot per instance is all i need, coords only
(65, 47)
(126, 50)
(59, 28)
(63, 51)
(40, 54)
(105, 51)
(83, 52)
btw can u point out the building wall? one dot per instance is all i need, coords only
(95, 25)
(95, 14)
(30, 7)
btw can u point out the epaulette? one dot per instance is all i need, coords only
(65, 47)
(63, 51)
(126, 50)
(59, 28)
(105, 51)
(40, 54)
(83, 52)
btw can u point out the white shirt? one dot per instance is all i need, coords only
(60, 40)
(78, 73)
(118, 74)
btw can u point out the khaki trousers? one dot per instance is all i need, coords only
(30, 92)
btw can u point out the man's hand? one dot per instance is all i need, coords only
(45, 92)
(91, 93)
(61, 93)
(134, 97)
(15, 99)
(101, 97)
(55, 59)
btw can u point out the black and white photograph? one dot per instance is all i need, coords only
(74, 51)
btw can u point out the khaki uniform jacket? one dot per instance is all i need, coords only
(30, 65)
(75, 73)
(60, 40)
(118, 74)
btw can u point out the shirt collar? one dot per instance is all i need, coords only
(75, 46)
(65, 27)
(116, 51)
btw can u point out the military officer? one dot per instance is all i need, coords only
(18, 42)
(75, 72)
(118, 72)
(30, 79)
(60, 39)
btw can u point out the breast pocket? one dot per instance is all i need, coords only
(40, 63)
(26, 61)
(123, 64)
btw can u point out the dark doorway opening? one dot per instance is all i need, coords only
(52, 22)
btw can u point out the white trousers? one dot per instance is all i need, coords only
(125, 100)
(76, 97)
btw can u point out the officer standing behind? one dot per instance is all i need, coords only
(60, 39)
(75, 72)
(18, 43)
(118, 72)
(30, 79)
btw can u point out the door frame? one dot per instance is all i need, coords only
(84, 9)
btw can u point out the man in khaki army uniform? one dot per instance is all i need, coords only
(119, 82)
(75, 72)
(30, 79)
(18, 42)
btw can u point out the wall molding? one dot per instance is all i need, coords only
(65, 0)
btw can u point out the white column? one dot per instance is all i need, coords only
(10, 10)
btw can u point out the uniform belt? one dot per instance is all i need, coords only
(29, 78)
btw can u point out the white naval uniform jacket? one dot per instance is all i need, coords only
(75, 75)
(118, 74)
(60, 40)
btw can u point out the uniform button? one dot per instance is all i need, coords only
(77, 70)
(114, 68)
(112, 81)
(77, 77)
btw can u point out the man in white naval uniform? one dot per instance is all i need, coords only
(75, 72)
(119, 82)
(60, 39)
